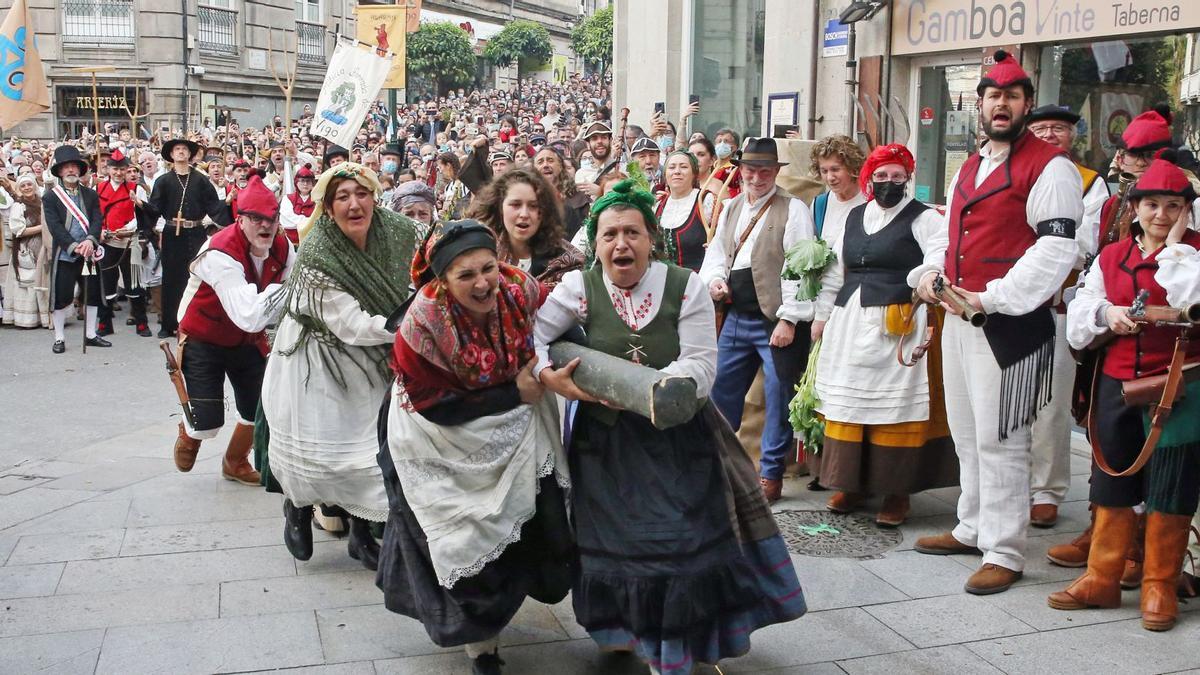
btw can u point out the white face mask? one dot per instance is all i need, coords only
(724, 150)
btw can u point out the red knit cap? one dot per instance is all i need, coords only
(306, 172)
(893, 153)
(1005, 74)
(1164, 178)
(1149, 131)
(255, 198)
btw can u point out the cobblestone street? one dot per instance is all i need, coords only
(116, 563)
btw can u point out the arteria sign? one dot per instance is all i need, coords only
(922, 26)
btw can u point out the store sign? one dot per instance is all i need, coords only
(926, 116)
(837, 39)
(111, 101)
(923, 26)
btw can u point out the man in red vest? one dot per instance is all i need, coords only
(122, 252)
(1146, 134)
(233, 294)
(1012, 214)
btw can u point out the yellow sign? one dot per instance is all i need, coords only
(384, 27)
(922, 26)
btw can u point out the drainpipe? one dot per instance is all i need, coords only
(184, 12)
(851, 83)
(813, 60)
(889, 125)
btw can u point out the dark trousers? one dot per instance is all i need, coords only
(67, 275)
(115, 270)
(1170, 481)
(177, 252)
(205, 367)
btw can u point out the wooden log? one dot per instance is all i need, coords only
(666, 400)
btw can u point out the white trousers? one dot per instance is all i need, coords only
(993, 510)
(1050, 459)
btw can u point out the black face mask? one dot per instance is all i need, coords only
(887, 193)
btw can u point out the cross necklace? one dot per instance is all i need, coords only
(183, 195)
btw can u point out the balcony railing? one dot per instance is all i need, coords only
(97, 22)
(310, 41)
(218, 30)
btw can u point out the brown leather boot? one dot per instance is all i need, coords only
(1100, 585)
(1132, 577)
(1166, 544)
(186, 449)
(893, 511)
(943, 544)
(772, 489)
(236, 465)
(843, 502)
(1074, 554)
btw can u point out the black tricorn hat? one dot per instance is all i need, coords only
(67, 154)
(169, 146)
(334, 151)
(759, 152)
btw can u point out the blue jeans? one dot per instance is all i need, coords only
(741, 348)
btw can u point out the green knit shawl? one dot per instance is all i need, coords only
(377, 278)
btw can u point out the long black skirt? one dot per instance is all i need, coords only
(540, 565)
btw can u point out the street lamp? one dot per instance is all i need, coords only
(859, 10)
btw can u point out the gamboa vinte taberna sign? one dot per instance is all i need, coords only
(922, 26)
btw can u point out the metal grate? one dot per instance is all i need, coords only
(218, 29)
(310, 41)
(97, 22)
(832, 535)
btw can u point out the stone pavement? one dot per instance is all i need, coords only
(113, 562)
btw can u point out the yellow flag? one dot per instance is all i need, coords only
(23, 91)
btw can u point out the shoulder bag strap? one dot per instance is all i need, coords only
(1162, 412)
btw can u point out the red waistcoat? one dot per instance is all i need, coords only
(116, 203)
(988, 228)
(302, 208)
(205, 318)
(1126, 273)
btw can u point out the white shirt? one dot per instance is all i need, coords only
(677, 211)
(836, 211)
(799, 226)
(288, 216)
(928, 229)
(566, 307)
(1042, 269)
(1087, 235)
(249, 309)
(1178, 273)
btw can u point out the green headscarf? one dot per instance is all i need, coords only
(377, 278)
(633, 191)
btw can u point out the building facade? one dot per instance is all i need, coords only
(761, 64)
(178, 62)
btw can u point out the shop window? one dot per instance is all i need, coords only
(99, 23)
(727, 65)
(1110, 82)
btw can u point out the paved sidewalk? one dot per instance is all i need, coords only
(113, 562)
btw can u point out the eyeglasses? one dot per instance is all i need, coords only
(1142, 158)
(1039, 129)
(882, 177)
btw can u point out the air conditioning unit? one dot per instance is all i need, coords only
(198, 71)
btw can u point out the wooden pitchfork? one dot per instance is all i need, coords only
(136, 113)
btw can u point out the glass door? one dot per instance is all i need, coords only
(946, 125)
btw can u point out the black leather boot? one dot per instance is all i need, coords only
(361, 545)
(487, 664)
(297, 530)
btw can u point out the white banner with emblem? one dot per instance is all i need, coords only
(352, 82)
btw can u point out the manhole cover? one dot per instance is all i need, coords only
(834, 535)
